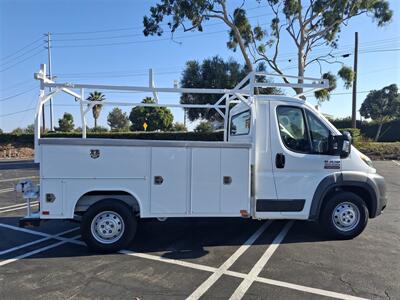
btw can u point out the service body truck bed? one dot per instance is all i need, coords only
(166, 178)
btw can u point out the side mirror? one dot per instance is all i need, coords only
(340, 144)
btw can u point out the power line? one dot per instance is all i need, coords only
(13, 86)
(26, 46)
(381, 50)
(21, 61)
(141, 27)
(23, 54)
(18, 94)
(98, 38)
(17, 112)
(139, 42)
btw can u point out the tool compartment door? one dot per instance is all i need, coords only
(235, 183)
(169, 180)
(220, 181)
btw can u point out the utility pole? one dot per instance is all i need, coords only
(50, 77)
(354, 102)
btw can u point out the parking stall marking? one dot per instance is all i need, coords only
(255, 271)
(37, 241)
(17, 205)
(25, 230)
(18, 208)
(396, 162)
(7, 190)
(18, 178)
(169, 260)
(31, 253)
(268, 281)
(195, 266)
(228, 263)
(307, 289)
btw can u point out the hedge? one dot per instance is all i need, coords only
(390, 130)
(28, 139)
(380, 150)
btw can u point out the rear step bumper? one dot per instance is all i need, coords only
(32, 221)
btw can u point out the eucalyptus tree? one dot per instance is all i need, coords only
(311, 25)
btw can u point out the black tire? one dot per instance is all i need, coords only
(334, 216)
(125, 233)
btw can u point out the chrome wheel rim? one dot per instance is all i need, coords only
(346, 216)
(107, 227)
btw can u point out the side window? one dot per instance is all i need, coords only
(293, 129)
(240, 123)
(319, 134)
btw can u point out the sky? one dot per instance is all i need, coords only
(101, 42)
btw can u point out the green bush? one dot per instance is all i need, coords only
(355, 133)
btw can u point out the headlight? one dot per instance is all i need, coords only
(367, 160)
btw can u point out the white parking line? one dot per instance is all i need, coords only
(18, 178)
(308, 289)
(17, 205)
(255, 271)
(26, 230)
(396, 162)
(243, 276)
(203, 288)
(170, 261)
(7, 190)
(18, 208)
(37, 241)
(31, 253)
(176, 262)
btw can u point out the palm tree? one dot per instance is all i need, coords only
(96, 109)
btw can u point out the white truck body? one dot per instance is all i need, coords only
(191, 172)
(280, 159)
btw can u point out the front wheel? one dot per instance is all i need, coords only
(344, 215)
(108, 226)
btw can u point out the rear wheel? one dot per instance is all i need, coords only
(108, 226)
(344, 215)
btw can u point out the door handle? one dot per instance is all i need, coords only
(280, 160)
(158, 180)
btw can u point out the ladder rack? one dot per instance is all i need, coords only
(243, 92)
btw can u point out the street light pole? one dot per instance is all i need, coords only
(354, 102)
(50, 77)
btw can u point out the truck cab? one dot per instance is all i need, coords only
(298, 162)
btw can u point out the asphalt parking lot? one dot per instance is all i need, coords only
(199, 257)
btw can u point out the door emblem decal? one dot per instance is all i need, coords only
(94, 153)
(332, 164)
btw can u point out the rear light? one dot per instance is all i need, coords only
(45, 212)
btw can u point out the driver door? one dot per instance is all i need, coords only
(299, 155)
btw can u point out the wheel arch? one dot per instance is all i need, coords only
(358, 184)
(91, 197)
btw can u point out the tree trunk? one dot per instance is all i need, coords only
(301, 67)
(95, 123)
(243, 48)
(378, 133)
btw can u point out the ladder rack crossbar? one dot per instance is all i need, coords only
(243, 92)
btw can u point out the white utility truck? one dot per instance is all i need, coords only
(280, 159)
